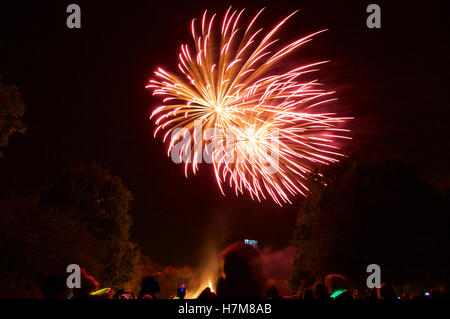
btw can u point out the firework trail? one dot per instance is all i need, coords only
(230, 84)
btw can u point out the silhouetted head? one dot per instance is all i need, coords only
(243, 272)
(335, 282)
(386, 292)
(435, 294)
(181, 292)
(272, 293)
(55, 287)
(320, 291)
(149, 286)
(207, 294)
(88, 285)
(308, 294)
(445, 291)
(337, 287)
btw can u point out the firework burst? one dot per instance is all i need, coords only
(230, 84)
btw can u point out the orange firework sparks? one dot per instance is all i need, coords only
(230, 85)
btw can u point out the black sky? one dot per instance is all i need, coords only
(86, 102)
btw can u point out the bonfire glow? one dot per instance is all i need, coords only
(210, 285)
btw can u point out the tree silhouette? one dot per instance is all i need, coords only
(99, 201)
(35, 243)
(81, 219)
(372, 212)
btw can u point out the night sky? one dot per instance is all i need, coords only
(86, 102)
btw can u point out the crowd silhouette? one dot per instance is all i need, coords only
(241, 277)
